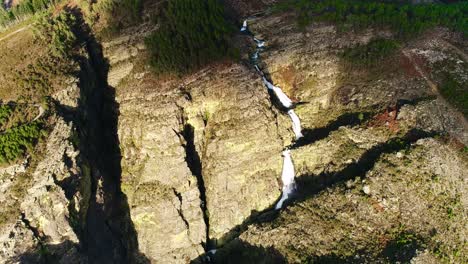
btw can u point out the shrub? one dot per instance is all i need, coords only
(113, 14)
(370, 53)
(191, 34)
(58, 33)
(455, 92)
(403, 18)
(16, 141)
(5, 112)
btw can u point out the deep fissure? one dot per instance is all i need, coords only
(108, 235)
(194, 163)
(35, 231)
(179, 210)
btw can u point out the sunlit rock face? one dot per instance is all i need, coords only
(236, 136)
(218, 127)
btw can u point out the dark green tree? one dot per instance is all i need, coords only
(191, 34)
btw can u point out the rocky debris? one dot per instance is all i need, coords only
(46, 205)
(119, 72)
(366, 189)
(14, 169)
(69, 96)
(434, 115)
(16, 239)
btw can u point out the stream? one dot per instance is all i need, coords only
(288, 173)
(287, 105)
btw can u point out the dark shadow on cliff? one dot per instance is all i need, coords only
(108, 235)
(311, 185)
(65, 252)
(347, 119)
(239, 251)
(352, 119)
(193, 160)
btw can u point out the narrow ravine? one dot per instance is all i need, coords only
(108, 234)
(288, 173)
(285, 105)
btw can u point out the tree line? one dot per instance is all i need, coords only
(23, 9)
(402, 17)
(191, 34)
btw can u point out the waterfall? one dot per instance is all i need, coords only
(244, 26)
(255, 56)
(287, 177)
(258, 69)
(260, 43)
(288, 173)
(284, 99)
(296, 124)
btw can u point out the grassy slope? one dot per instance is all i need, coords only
(17, 52)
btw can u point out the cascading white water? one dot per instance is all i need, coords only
(260, 43)
(258, 69)
(284, 99)
(244, 26)
(255, 56)
(288, 173)
(287, 176)
(296, 124)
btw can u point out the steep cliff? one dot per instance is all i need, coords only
(145, 167)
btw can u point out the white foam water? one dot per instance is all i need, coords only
(287, 177)
(288, 173)
(296, 124)
(258, 69)
(260, 43)
(255, 56)
(284, 99)
(244, 26)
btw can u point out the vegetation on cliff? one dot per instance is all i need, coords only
(371, 52)
(5, 111)
(191, 34)
(129, 8)
(34, 82)
(23, 9)
(404, 19)
(16, 141)
(455, 92)
(57, 33)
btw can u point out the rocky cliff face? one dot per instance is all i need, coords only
(189, 147)
(168, 168)
(357, 158)
(44, 197)
(201, 154)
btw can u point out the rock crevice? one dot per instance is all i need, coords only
(194, 163)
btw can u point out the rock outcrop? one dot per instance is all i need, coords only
(43, 201)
